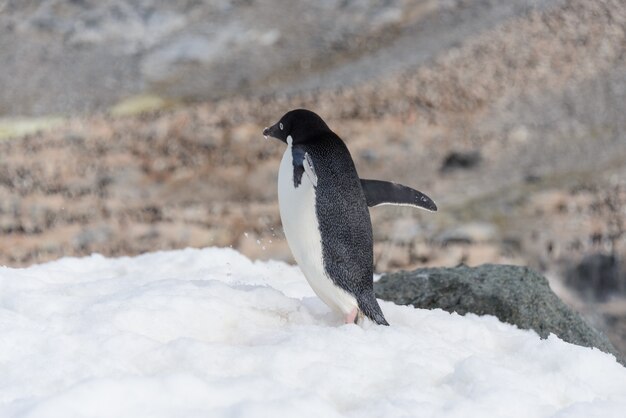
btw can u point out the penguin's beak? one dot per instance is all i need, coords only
(272, 131)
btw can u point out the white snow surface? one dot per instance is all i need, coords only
(209, 333)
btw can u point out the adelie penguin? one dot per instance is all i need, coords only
(324, 211)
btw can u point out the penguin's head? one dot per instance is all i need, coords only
(300, 124)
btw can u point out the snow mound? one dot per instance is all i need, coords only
(208, 333)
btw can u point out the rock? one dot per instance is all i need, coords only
(369, 155)
(519, 134)
(516, 295)
(597, 276)
(456, 160)
(89, 237)
(405, 230)
(470, 233)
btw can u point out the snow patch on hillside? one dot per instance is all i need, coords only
(199, 333)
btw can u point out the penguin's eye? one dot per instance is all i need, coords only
(280, 125)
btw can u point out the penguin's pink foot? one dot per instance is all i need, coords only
(351, 317)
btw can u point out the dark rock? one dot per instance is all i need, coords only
(369, 155)
(597, 277)
(473, 232)
(89, 237)
(516, 295)
(532, 178)
(456, 160)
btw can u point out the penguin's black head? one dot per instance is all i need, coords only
(300, 124)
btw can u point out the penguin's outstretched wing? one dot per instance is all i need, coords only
(379, 192)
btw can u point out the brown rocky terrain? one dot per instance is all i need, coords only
(538, 97)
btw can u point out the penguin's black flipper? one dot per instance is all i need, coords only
(379, 192)
(303, 163)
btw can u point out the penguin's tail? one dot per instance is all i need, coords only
(368, 305)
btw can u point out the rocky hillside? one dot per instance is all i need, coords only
(69, 57)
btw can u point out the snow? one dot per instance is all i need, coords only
(209, 333)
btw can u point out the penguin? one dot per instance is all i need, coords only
(324, 209)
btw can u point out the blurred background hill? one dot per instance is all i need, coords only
(128, 127)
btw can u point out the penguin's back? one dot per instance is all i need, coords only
(343, 216)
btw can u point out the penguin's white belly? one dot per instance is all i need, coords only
(299, 219)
